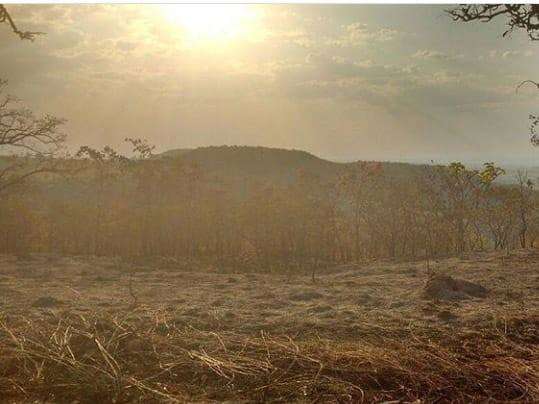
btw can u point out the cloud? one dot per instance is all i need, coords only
(509, 54)
(427, 54)
(126, 46)
(112, 69)
(358, 33)
(298, 37)
(394, 87)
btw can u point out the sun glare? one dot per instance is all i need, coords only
(211, 22)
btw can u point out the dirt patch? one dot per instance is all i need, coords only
(444, 287)
(46, 301)
(446, 315)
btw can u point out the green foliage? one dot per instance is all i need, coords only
(489, 173)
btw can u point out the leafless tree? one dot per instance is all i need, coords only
(524, 206)
(29, 144)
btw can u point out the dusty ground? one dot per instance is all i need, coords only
(345, 303)
(370, 303)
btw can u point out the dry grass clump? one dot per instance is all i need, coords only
(143, 356)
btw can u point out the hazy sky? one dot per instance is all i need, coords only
(343, 82)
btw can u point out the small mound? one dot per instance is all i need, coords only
(46, 301)
(444, 287)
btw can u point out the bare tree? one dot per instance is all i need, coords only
(525, 206)
(6, 18)
(29, 144)
(518, 16)
(106, 165)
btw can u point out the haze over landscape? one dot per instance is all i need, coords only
(348, 82)
(269, 204)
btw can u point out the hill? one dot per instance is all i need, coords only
(282, 166)
(273, 164)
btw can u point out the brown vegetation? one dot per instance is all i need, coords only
(362, 333)
(262, 276)
(321, 215)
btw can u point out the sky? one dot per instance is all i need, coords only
(344, 82)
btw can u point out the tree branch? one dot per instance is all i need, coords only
(522, 16)
(6, 18)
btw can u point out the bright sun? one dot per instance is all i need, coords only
(211, 22)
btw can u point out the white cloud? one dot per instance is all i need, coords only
(108, 68)
(509, 54)
(358, 33)
(427, 54)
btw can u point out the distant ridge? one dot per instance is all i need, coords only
(272, 164)
(244, 151)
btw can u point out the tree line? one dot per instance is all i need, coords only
(109, 205)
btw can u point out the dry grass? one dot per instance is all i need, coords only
(143, 357)
(173, 349)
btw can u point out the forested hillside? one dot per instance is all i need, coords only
(264, 208)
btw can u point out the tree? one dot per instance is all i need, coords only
(359, 186)
(459, 193)
(6, 18)
(525, 206)
(21, 130)
(106, 165)
(518, 16)
(29, 144)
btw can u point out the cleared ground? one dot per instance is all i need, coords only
(96, 329)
